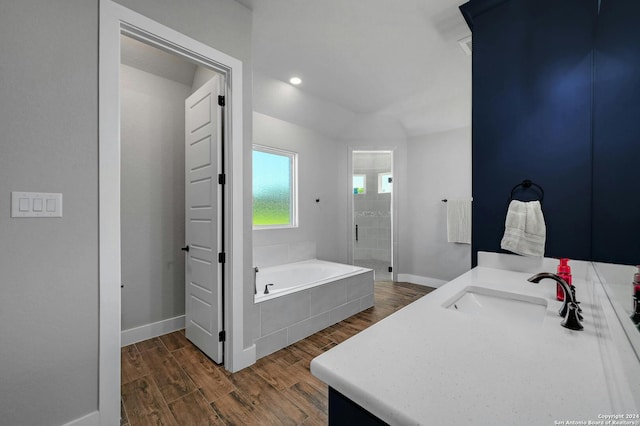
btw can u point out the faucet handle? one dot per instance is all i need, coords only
(565, 305)
(573, 292)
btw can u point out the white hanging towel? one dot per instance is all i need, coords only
(525, 231)
(459, 221)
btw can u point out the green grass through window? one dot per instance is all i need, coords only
(272, 188)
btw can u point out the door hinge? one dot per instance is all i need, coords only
(221, 100)
(222, 179)
(222, 258)
(222, 336)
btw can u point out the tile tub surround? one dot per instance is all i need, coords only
(278, 254)
(287, 319)
(461, 368)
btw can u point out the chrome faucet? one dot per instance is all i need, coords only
(570, 309)
(266, 288)
(255, 283)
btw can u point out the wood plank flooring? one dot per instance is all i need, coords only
(168, 381)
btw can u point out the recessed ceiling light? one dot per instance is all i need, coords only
(295, 80)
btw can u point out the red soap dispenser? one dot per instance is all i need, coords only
(636, 297)
(564, 272)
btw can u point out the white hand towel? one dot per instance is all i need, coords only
(459, 221)
(525, 231)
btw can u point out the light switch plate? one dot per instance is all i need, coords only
(36, 204)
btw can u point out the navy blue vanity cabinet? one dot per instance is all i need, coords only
(345, 412)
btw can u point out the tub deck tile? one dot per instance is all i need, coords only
(345, 311)
(360, 286)
(309, 326)
(271, 343)
(328, 296)
(282, 312)
(308, 311)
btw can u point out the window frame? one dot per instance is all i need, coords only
(293, 191)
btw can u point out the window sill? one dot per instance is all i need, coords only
(267, 227)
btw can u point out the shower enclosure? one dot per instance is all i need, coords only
(372, 211)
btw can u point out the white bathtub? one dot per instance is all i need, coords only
(292, 277)
(305, 298)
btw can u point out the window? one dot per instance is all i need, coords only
(359, 184)
(384, 183)
(274, 188)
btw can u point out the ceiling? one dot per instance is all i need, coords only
(400, 58)
(397, 62)
(140, 55)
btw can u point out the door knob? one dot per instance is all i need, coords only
(185, 248)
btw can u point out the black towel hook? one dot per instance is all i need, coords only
(526, 184)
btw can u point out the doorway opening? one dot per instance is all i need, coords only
(171, 221)
(372, 212)
(116, 20)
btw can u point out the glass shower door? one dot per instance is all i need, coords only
(372, 211)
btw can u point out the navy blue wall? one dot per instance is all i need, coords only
(616, 130)
(532, 105)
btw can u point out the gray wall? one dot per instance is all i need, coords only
(49, 143)
(428, 168)
(439, 166)
(200, 77)
(152, 196)
(379, 132)
(152, 190)
(49, 267)
(321, 174)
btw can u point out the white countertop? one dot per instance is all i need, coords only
(427, 364)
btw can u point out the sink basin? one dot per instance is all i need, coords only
(504, 307)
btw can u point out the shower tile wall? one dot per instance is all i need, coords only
(372, 214)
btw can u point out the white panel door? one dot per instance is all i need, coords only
(203, 217)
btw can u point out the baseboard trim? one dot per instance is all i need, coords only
(148, 331)
(91, 419)
(417, 279)
(243, 359)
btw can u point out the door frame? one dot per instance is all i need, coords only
(394, 201)
(114, 21)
